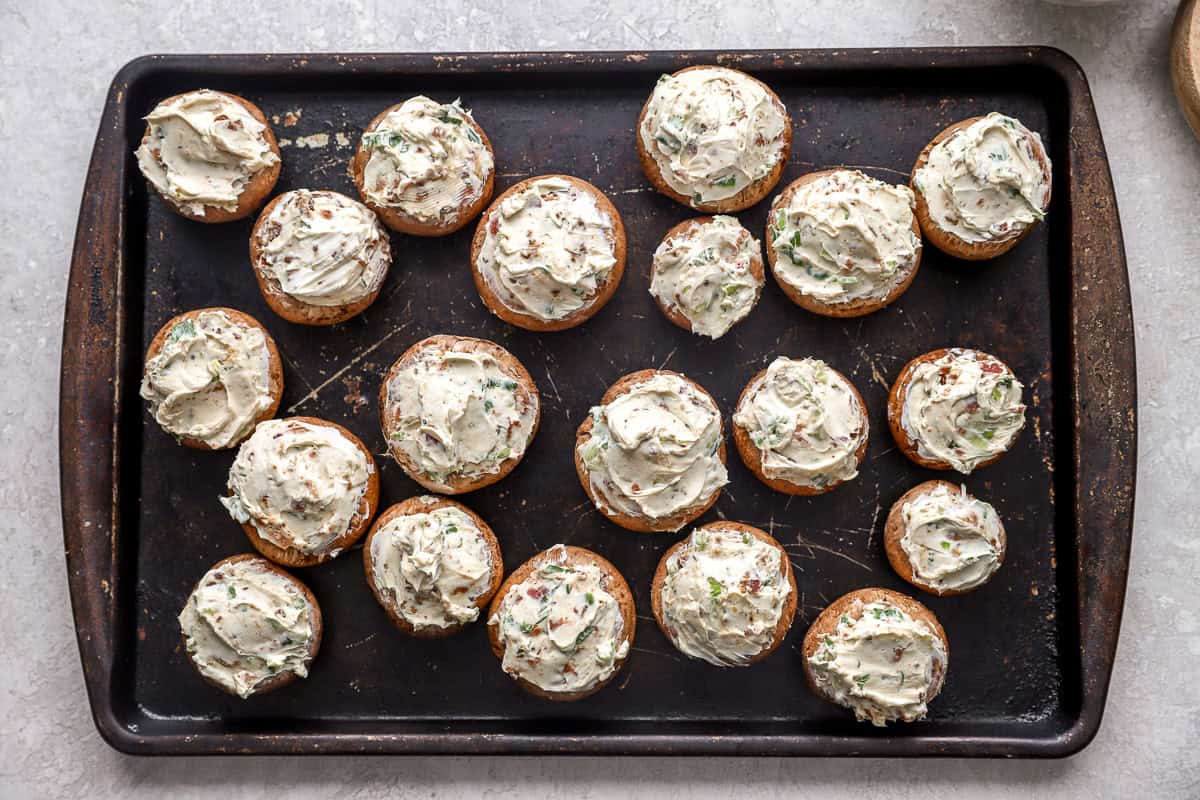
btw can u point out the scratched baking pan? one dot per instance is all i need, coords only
(1031, 651)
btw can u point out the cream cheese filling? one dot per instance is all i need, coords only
(952, 540)
(963, 408)
(653, 451)
(245, 623)
(548, 249)
(202, 149)
(426, 161)
(458, 415)
(712, 132)
(723, 596)
(210, 380)
(704, 273)
(884, 665)
(562, 631)
(324, 249)
(845, 237)
(806, 422)
(987, 181)
(434, 564)
(298, 484)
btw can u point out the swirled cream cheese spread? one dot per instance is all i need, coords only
(201, 150)
(952, 540)
(963, 408)
(322, 248)
(653, 450)
(845, 237)
(458, 415)
(704, 272)
(806, 421)
(988, 181)
(561, 630)
(547, 249)
(434, 564)
(884, 665)
(298, 484)
(210, 380)
(712, 132)
(426, 160)
(245, 623)
(723, 596)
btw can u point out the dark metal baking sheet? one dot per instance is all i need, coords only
(1031, 651)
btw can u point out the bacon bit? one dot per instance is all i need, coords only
(751, 585)
(536, 592)
(992, 367)
(897, 654)
(568, 669)
(972, 407)
(494, 225)
(535, 630)
(636, 488)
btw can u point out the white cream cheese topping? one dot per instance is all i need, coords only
(323, 248)
(845, 237)
(806, 421)
(653, 451)
(548, 249)
(245, 623)
(298, 484)
(426, 161)
(963, 408)
(202, 149)
(459, 415)
(210, 380)
(704, 272)
(885, 665)
(713, 132)
(723, 596)
(561, 630)
(988, 181)
(952, 540)
(434, 564)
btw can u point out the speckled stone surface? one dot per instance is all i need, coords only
(56, 60)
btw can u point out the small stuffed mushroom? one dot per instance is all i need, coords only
(319, 257)
(563, 623)
(210, 376)
(942, 540)
(458, 413)
(549, 253)
(801, 427)
(955, 409)
(650, 424)
(842, 244)
(249, 627)
(707, 275)
(713, 138)
(878, 653)
(433, 564)
(210, 155)
(981, 185)
(426, 168)
(303, 489)
(725, 594)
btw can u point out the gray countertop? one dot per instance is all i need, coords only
(57, 59)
